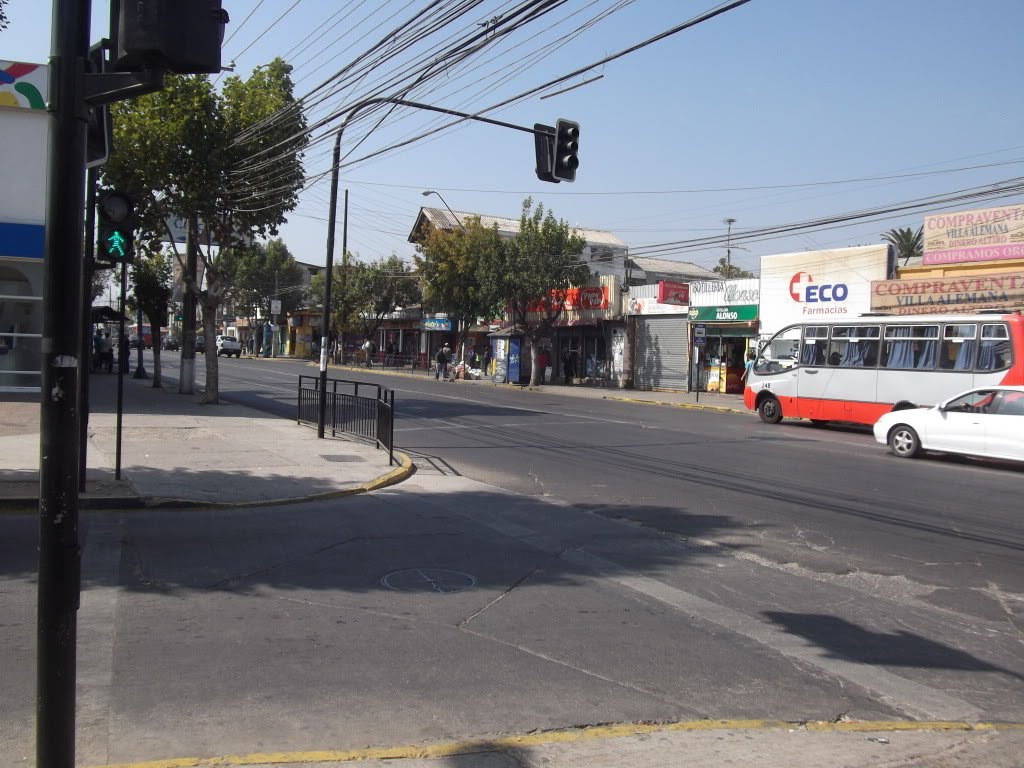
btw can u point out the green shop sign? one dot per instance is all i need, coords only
(729, 314)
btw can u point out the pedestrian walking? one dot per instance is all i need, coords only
(487, 360)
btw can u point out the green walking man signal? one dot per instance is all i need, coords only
(115, 225)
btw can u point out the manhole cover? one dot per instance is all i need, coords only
(429, 580)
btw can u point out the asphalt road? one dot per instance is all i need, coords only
(829, 500)
(556, 561)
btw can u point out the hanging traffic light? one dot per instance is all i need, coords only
(182, 36)
(567, 135)
(115, 233)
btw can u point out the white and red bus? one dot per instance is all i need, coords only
(858, 369)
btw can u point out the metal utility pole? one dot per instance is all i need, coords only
(85, 356)
(728, 250)
(59, 552)
(274, 315)
(332, 212)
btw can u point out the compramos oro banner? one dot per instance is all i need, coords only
(988, 234)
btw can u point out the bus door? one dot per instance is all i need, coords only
(812, 374)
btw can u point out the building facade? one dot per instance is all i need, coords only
(24, 126)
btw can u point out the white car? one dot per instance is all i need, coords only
(228, 345)
(987, 421)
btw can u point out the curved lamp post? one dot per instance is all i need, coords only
(428, 192)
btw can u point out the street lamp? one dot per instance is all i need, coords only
(728, 250)
(428, 192)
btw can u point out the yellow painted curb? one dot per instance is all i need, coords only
(696, 406)
(405, 470)
(562, 736)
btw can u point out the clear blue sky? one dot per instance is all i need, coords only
(776, 92)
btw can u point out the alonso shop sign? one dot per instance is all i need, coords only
(1004, 290)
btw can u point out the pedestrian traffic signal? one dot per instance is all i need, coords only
(567, 135)
(182, 36)
(115, 228)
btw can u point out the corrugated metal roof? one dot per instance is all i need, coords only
(680, 268)
(443, 219)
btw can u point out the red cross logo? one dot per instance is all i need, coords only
(798, 285)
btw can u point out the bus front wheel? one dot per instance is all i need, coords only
(904, 442)
(769, 410)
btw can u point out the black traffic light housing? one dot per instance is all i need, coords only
(544, 147)
(115, 228)
(567, 146)
(182, 36)
(100, 132)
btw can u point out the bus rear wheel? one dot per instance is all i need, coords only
(769, 410)
(904, 442)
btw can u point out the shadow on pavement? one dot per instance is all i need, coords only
(845, 640)
(356, 546)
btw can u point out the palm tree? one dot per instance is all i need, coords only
(908, 243)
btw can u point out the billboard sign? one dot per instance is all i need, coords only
(819, 285)
(939, 295)
(989, 234)
(671, 292)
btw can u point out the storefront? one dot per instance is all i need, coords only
(727, 313)
(659, 336)
(587, 341)
(398, 338)
(435, 331)
(24, 126)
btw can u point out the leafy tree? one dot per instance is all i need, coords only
(730, 271)
(378, 288)
(532, 272)
(151, 278)
(345, 301)
(4, 21)
(264, 273)
(449, 265)
(217, 158)
(907, 243)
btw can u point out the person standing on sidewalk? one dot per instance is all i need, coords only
(444, 356)
(748, 366)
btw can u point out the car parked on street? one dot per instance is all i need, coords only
(170, 342)
(228, 345)
(987, 421)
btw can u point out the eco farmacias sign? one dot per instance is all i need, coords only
(989, 234)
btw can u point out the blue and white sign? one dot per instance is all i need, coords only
(437, 324)
(700, 334)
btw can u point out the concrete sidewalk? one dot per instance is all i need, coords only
(177, 451)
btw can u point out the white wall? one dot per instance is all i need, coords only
(824, 285)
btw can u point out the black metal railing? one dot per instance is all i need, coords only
(351, 410)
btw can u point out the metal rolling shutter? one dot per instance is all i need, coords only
(662, 359)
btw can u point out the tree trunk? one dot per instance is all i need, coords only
(211, 394)
(155, 330)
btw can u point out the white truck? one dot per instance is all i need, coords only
(228, 345)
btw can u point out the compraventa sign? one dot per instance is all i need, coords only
(935, 295)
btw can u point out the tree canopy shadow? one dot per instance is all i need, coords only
(842, 639)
